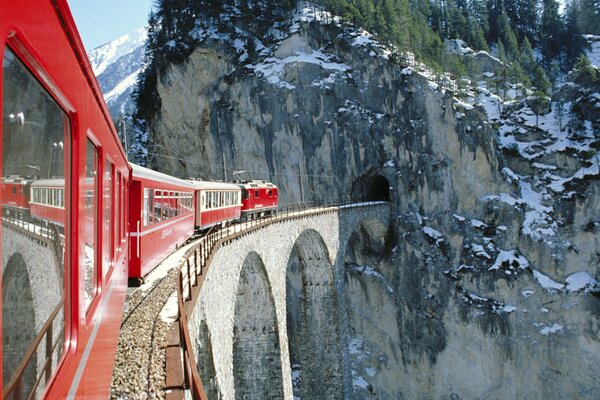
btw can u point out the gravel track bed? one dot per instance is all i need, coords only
(139, 370)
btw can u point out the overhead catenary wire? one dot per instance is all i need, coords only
(218, 166)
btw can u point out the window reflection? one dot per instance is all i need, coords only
(34, 203)
(90, 231)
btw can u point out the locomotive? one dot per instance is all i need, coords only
(165, 211)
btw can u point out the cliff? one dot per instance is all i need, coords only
(486, 284)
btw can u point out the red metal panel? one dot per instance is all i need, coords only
(212, 217)
(42, 35)
(150, 244)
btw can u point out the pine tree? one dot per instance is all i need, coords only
(588, 16)
(572, 42)
(540, 80)
(476, 36)
(550, 31)
(507, 37)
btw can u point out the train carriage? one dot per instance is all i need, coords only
(259, 198)
(161, 218)
(216, 203)
(63, 291)
(15, 196)
(47, 201)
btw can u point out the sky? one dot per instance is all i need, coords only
(101, 21)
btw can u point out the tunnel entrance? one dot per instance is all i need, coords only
(371, 188)
(18, 321)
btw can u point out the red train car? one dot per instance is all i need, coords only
(47, 201)
(161, 218)
(63, 289)
(216, 203)
(259, 198)
(15, 195)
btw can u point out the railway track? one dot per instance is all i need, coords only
(139, 370)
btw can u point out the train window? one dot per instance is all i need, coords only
(117, 209)
(270, 193)
(157, 204)
(256, 195)
(91, 224)
(146, 207)
(108, 233)
(123, 215)
(31, 123)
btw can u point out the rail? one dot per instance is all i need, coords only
(14, 388)
(182, 371)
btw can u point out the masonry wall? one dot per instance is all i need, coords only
(273, 246)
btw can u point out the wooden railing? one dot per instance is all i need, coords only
(181, 367)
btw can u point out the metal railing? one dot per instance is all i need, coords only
(14, 389)
(182, 370)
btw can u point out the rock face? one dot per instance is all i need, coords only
(486, 286)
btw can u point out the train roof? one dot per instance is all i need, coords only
(146, 173)
(15, 179)
(256, 184)
(59, 182)
(208, 185)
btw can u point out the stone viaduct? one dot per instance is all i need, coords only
(32, 286)
(270, 321)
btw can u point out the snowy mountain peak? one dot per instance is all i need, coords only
(103, 56)
(117, 65)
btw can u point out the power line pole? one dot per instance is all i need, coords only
(224, 169)
(300, 179)
(124, 133)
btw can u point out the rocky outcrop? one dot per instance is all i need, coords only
(486, 285)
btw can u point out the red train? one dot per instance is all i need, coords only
(64, 285)
(87, 220)
(165, 211)
(161, 217)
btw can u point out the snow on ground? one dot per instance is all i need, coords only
(579, 281)
(546, 282)
(125, 84)
(273, 68)
(509, 260)
(435, 235)
(173, 260)
(594, 53)
(368, 271)
(555, 328)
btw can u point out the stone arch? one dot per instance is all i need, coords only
(256, 348)
(371, 188)
(312, 320)
(372, 313)
(18, 320)
(206, 365)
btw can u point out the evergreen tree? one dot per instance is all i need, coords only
(494, 8)
(540, 80)
(588, 16)
(572, 41)
(507, 37)
(526, 56)
(585, 72)
(476, 36)
(550, 31)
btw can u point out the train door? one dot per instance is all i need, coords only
(36, 137)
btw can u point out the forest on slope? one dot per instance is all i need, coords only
(537, 41)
